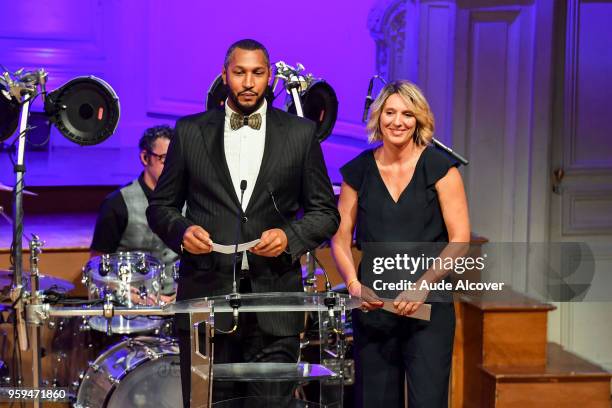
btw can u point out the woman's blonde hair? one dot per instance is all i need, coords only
(411, 95)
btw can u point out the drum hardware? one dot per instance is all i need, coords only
(84, 326)
(124, 279)
(108, 313)
(104, 267)
(175, 270)
(294, 82)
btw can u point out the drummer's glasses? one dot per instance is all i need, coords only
(160, 157)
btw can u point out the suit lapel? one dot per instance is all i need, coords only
(212, 133)
(276, 139)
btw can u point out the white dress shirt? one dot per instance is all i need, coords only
(244, 149)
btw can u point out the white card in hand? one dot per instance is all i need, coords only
(230, 249)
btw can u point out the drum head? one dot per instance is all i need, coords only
(122, 325)
(156, 383)
(138, 372)
(320, 104)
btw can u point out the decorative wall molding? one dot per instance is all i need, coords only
(436, 62)
(393, 25)
(36, 35)
(587, 211)
(572, 106)
(493, 87)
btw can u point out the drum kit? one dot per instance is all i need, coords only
(79, 349)
(141, 369)
(79, 353)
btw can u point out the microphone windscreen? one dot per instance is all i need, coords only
(243, 185)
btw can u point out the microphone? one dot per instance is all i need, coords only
(235, 300)
(243, 186)
(450, 151)
(368, 101)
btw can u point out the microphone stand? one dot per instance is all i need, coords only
(235, 300)
(331, 297)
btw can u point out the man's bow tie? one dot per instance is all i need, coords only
(237, 121)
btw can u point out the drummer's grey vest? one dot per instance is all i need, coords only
(138, 235)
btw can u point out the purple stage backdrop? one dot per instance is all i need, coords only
(161, 57)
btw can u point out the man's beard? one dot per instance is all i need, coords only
(247, 110)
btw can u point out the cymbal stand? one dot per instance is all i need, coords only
(23, 86)
(36, 298)
(295, 83)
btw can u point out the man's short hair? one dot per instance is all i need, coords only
(246, 44)
(152, 134)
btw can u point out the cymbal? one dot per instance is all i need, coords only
(45, 283)
(4, 187)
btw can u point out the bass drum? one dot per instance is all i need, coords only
(138, 372)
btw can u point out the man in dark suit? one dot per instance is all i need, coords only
(276, 154)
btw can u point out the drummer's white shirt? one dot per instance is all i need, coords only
(244, 149)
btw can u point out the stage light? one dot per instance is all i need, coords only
(85, 110)
(217, 94)
(320, 104)
(9, 114)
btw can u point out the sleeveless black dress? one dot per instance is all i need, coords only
(389, 347)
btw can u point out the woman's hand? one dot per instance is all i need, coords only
(409, 301)
(370, 300)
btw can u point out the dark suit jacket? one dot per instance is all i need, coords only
(196, 172)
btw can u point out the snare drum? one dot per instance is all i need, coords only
(138, 372)
(129, 279)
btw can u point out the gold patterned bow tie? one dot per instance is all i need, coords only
(237, 121)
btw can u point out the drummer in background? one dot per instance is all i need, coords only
(122, 224)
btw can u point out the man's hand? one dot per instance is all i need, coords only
(165, 299)
(273, 243)
(196, 240)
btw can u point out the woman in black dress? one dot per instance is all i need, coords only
(403, 190)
